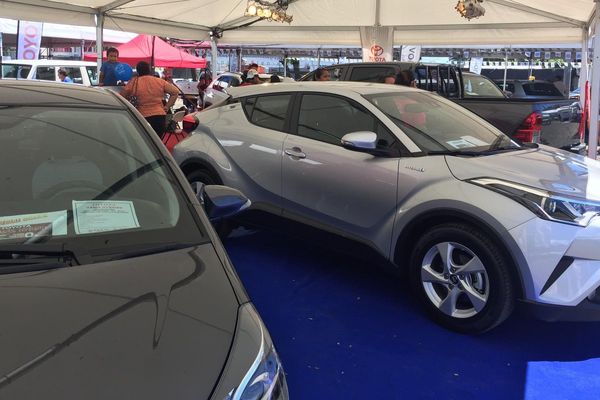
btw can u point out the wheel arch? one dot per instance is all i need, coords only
(194, 164)
(424, 221)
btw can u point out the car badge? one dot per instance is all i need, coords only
(414, 168)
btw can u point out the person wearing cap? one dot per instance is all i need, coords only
(251, 78)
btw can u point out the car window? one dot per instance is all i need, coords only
(89, 179)
(268, 111)
(480, 86)
(92, 73)
(437, 124)
(371, 74)
(45, 73)
(74, 73)
(541, 89)
(328, 118)
(17, 71)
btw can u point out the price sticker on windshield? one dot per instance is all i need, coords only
(26, 226)
(103, 216)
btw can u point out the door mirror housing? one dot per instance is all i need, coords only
(221, 201)
(360, 141)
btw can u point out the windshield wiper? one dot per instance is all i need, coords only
(145, 250)
(26, 254)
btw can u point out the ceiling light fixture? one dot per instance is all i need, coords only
(470, 8)
(271, 11)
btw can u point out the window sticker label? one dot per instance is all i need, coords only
(466, 142)
(103, 216)
(30, 225)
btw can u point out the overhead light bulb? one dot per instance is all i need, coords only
(251, 10)
(267, 13)
(260, 12)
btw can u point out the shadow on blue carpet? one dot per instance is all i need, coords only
(345, 329)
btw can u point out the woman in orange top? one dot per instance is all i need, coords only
(150, 91)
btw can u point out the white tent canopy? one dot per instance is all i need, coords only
(325, 22)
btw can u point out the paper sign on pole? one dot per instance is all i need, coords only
(410, 53)
(377, 43)
(29, 40)
(476, 64)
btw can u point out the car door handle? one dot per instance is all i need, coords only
(295, 152)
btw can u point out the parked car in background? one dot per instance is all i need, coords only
(82, 72)
(520, 118)
(526, 89)
(114, 284)
(478, 220)
(216, 90)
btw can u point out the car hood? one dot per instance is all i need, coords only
(152, 327)
(543, 168)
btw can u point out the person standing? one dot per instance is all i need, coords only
(62, 75)
(107, 71)
(150, 91)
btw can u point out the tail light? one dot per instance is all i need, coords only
(531, 128)
(190, 122)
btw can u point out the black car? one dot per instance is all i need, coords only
(526, 89)
(113, 285)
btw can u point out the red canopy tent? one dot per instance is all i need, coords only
(155, 51)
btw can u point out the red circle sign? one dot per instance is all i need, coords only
(376, 50)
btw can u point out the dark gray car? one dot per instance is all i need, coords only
(112, 282)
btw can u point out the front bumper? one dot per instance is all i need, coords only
(562, 275)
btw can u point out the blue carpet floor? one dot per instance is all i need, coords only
(346, 330)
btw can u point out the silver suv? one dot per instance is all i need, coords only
(479, 220)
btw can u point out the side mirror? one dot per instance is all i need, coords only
(508, 93)
(220, 201)
(360, 141)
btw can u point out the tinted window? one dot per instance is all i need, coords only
(541, 89)
(74, 73)
(45, 73)
(329, 118)
(268, 111)
(479, 86)
(15, 71)
(371, 74)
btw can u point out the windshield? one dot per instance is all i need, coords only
(87, 179)
(436, 124)
(480, 86)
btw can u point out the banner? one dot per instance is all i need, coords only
(475, 65)
(410, 53)
(377, 43)
(29, 38)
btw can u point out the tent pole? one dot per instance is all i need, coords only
(595, 92)
(505, 68)
(319, 57)
(583, 72)
(214, 55)
(99, 38)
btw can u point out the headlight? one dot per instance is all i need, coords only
(253, 371)
(544, 204)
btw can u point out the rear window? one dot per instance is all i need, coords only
(371, 74)
(268, 111)
(541, 89)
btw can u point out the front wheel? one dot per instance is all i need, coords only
(461, 278)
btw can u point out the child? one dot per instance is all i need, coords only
(62, 75)
(107, 72)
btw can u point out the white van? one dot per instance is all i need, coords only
(82, 72)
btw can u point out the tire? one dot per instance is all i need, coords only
(473, 301)
(223, 227)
